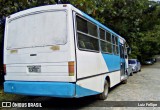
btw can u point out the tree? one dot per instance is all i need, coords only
(138, 21)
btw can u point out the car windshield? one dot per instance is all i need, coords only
(148, 60)
(131, 62)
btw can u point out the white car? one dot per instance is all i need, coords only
(130, 70)
(136, 65)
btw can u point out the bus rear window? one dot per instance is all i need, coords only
(37, 29)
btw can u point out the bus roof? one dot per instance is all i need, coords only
(63, 6)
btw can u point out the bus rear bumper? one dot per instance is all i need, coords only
(54, 89)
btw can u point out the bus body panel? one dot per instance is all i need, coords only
(86, 61)
(37, 54)
(53, 60)
(52, 89)
(99, 64)
(112, 61)
(49, 72)
(114, 78)
(56, 89)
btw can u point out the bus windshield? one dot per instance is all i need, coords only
(37, 29)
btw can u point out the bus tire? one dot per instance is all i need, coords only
(104, 94)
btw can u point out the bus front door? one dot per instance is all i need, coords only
(122, 62)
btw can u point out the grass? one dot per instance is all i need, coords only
(5, 96)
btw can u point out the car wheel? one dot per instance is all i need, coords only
(104, 94)
(137, 70)
(124, 81)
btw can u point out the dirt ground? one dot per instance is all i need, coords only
(142, 86)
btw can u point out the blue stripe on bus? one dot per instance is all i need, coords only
(81, 92)
(53, 89)
(57, 89)
(112, 61)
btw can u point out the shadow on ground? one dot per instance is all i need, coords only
(51, 102)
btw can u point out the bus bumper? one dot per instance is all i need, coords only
(53, 89)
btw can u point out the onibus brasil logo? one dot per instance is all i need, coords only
(17, 104)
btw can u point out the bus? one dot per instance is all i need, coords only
(59, 51)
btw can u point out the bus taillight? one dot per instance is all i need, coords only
(71, 68)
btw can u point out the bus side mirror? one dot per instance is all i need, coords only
(128, 50)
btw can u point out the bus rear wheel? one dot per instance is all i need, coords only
(104, 94)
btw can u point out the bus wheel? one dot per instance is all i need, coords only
(104, 94)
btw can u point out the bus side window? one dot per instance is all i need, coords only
(105, 39)
(108, 36)
(115, 44)
(113, 39)
(87, 34)
(81, 25)
(89, 46)
(92, 29)
(102, 34)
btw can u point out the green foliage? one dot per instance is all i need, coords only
(8, 7)
(138, 21)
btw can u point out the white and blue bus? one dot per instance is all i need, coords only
(59, 51)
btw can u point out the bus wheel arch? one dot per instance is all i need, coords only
(106, 86)
(108, 80)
